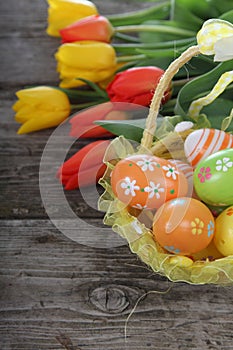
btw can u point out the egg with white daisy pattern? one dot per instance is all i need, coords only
(146, 181)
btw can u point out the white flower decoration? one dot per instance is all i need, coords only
(171, 171)
(147, 164)
(154, 190)
(129, 186)
(224, 164)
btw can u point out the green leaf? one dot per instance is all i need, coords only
(133, 129)
(200, 86)
(227, 16)
(222, 6)
(197, 66)
(131, 48)
(226, 123)
(190, 9)
(218, 111)
(202, 122)
(164, 31)
(130, 129)
(95, 87)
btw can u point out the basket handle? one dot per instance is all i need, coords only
(148, 134)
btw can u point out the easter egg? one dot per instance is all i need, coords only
(145, 181)
(187, 170)
(183, 226)
(210, 253)
(213, 178)
(223, 238)
(203, 142)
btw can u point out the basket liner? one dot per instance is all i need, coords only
(140, 237)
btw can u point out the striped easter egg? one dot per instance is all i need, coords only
(187, 170)
(203, 142)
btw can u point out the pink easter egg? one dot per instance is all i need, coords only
(203, 142)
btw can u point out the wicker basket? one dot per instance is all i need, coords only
(132, 225)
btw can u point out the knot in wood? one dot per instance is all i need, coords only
(110, 299)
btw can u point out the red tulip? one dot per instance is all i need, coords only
(94, 27)
(136, 85)
(85, 167)
(82, 124)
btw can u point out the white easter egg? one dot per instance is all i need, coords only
(203, 142)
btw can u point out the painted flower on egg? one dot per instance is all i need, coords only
(170, 171)
(183, 226)
(147, 164)
(204, 174)
(223, 164)
(213, 178)
(146, 181)
(154, 190)
(130, 186)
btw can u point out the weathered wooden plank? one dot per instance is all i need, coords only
(51, 286)
(56, 293)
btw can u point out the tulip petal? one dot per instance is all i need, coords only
(89, 131)
(88, 116)
(136, 85)
(18, 105)
(93, 27)
(86, 177)
(91, 60)
(43, 121)
(61, 13)
(89, 155)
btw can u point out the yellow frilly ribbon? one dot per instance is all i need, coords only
(214, 38)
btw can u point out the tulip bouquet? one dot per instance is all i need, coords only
(106, 60)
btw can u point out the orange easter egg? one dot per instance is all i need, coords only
(145, 181)
(183, 226)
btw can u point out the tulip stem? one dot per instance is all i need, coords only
(159, 45)
(130, 58)
(156, 28)
(86, 105)
(160, 11)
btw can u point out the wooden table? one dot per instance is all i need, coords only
(57, 293)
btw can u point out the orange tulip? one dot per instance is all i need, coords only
(95, 27)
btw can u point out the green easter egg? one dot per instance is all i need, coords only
(213, 178)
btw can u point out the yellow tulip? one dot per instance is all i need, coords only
(62, 13)
(91, 60)
(39, 108)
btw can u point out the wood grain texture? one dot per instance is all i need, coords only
(56, 293)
